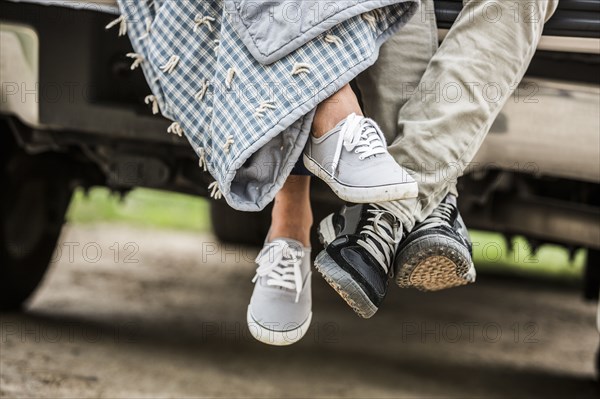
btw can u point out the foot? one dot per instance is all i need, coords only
(353, 160)
(437, 254)
(280, 308)
(360, 242)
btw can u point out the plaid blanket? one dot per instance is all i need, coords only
(241, 79)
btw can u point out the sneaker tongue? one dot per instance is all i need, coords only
(273, 253)
(380, 208)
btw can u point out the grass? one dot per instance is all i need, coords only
(491, 254)
(156, 209)
(141, 207)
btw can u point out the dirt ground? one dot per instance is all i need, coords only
(133, 313)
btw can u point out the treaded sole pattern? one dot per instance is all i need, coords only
(434, 264)
(343, 283)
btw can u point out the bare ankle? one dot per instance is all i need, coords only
(334, 110)
(298, 233)
(292, 214)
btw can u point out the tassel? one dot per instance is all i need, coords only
(175, 128)
(228, 144)
(371, 20)
(215, 191)
(263, 107)
(333, 39)
(201, 20)
(300, 68)
(170, 65)
(122, 22)
(230, 76)
(152, 99)
(378, 14)
(203, 90)
(138, 59)
(202, 163)
(148, 28)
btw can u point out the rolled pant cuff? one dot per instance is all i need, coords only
(405, 211)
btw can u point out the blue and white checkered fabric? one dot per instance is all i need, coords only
(253, 122)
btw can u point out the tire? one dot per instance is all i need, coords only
(32, 210)
(592, 275)
(235, 227)
(598, 366)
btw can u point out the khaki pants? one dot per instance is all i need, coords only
(436, 105)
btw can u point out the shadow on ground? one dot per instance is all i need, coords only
(170, 326)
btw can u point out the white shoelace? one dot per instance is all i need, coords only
(281, 264)
(381, 237)
(440, 216)
(361, 135)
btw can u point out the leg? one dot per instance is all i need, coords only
(334, 110)
(292, 214)
(349, 152)
(280, 309)
(374, 243)
(437, 253)
(434, 133)
(281, 316)
(476, 68)
(386, 86)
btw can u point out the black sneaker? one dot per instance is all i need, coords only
(437, 254)
(360, 242)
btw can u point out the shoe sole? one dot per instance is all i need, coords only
(428, 265)
(343, 283)
(363, 195)
(339, 279)
(274, 337)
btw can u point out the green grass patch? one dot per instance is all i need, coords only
(141, 207)
(492, 254)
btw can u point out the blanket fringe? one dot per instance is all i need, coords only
(175, 128)
(200, 96)
(151, 99)
(230, 76)
(170, 65)
(263, 107)
(228, 143)
(122, 22)
(333, 39)
(215, 191)
(301, 67)
(371, 19)
(378, 14)
(202, 163)
(203, 20)
(138, 59)
(148, 28)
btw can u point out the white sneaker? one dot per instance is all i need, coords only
(280, 309)
(353, 160)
